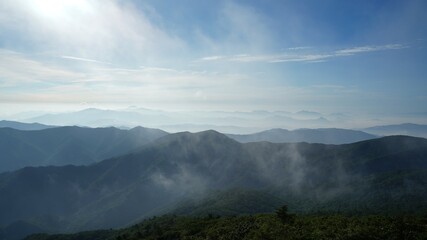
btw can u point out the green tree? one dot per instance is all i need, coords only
(284, 216)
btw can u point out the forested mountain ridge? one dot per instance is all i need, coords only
(385, 175)
(68, 145)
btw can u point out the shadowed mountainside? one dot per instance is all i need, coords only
(385, 175)
(68, 145)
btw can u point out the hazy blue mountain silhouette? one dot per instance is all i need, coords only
(23, 126)
(322, 135)
(410, 129)
(68, 145)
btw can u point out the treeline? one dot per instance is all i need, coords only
(280, 225)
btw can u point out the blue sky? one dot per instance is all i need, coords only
(360, 57)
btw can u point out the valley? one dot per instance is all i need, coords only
(208, 173)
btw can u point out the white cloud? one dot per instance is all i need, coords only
(45, 81)
(363, 49)
(157, 69)
(110, 31)
(154, 86)
(274, 58)
(16, 70)
(210, 58)
(303, 56)
(299, 48)
(84, 59)
(112, 52)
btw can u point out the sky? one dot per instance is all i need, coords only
(332, 56)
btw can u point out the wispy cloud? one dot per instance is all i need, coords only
(210, 58)
(118, 51)
(157, 69)
(45, 82)
(303, 56)
(246, 58)
(84, 59)
(363, 49)
(89, 30)
(299, 48)
(18, 70)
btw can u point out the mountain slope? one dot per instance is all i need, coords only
(261, 226)
(23, 126)
(228, 203)
(410, 129)
(322, 135)
(363, 177)
(68, 145)
(116, 191)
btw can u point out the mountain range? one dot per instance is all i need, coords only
(416, 130)
(68, 145)
(237, 122)
(322, 135)
(231, 122)
(23, 126)
(22, 145)
(384, 175)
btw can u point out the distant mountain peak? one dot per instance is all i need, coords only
(320, 135)
(208, 136)
(24, 126)
(395, 138)
(92, 110)
(209, 132)
(277, 130)
(410, 129)
(212, 134)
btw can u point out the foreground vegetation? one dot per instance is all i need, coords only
(262, 226)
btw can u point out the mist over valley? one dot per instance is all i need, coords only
(213, 119)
